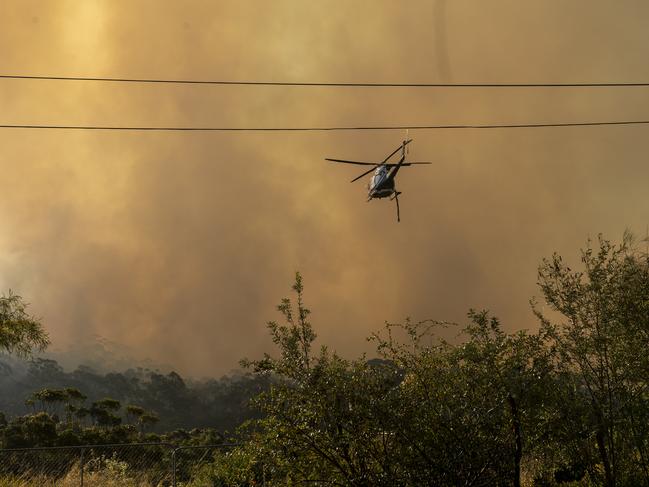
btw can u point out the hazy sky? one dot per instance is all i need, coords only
(180, 245)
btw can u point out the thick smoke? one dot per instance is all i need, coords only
(179, 245)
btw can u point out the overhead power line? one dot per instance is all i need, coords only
(324, 129)
(325, 84)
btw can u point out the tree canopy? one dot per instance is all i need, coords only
(564, 404)
(568, 403)
(20, 333)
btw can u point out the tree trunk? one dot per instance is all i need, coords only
(518, 453)
(601, 445)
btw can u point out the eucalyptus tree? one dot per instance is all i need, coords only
(600, 334)
(20, 333)
(326, 419)
(50, 399)
(427, 413)
(468, 412)
(104, 412)
(148, 419)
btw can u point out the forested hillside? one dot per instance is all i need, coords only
(565, 404)
(221, 404)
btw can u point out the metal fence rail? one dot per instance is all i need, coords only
(122, 465)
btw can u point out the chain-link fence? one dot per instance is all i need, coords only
(128, 465)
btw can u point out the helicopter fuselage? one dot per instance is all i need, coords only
(381, 184)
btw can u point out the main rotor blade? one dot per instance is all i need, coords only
(405, 142)
(353, 162)
(394, 164)
(366, 172)
(393, 153)
(363, 163)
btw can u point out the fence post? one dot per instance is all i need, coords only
(81, 461)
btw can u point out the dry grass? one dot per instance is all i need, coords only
(113, 473)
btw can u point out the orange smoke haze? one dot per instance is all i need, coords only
(179, 245)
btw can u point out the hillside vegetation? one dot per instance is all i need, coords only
(567, 404)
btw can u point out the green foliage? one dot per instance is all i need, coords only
(466, 413)
(107, 404)
(20, 333)
(601, 342)
(49, 399)
(567, 405)
(45, 428)
(148, 419)
(221, 403)
(319, 423)
(135, 411)
(427, 414)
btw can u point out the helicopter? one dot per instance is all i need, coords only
(382, 185)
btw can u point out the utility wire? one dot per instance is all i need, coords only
(323, 129)
(332, 85)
